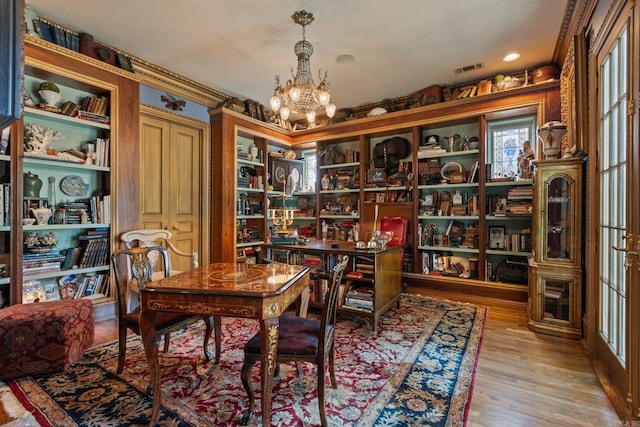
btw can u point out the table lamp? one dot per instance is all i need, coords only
(283, 207)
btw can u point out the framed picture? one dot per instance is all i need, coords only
(375, 176)
(496, 237)
(286, 174)
(379, 197)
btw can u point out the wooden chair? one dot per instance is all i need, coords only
(302, 340)
(157, 237)
(154, 237)
(140, 264)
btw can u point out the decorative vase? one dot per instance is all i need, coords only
(551, 134)
(31, 185)
(325, 182)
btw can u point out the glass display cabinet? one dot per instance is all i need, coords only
(555, 278)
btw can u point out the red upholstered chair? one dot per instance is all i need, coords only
(399, 226)
(44, 337)
(302, 340)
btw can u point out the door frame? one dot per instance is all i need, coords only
(205, 162)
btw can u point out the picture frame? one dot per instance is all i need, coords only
(375, 176)
(282, 170)
(380, 198)
(496, 237)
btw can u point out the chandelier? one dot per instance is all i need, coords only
(302, 95)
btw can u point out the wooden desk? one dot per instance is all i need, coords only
(257, 291)
(386, 278)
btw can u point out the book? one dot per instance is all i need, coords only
(71, 258)
(44, 30)
(4, 140)
(59, 37)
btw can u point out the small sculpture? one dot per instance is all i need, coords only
(38, 138)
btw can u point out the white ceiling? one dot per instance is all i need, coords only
(238, 46)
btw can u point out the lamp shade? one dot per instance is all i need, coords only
(284, 203)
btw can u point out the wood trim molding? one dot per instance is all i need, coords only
(168, 81)
(31, 40)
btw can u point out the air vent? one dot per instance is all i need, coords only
(468, 68)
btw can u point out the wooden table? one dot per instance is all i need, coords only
(385, 276)
(256, 291)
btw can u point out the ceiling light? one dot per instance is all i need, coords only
(301, 95)
(511, 57)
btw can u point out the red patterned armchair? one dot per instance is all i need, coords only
(43, 338)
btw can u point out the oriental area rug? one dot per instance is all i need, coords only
(416, 369)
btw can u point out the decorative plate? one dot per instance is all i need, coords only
(450, 167)
(72, 185)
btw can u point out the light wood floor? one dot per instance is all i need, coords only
(523, 378)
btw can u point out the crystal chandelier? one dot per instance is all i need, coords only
(302, 95)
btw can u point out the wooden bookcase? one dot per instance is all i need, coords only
(77, 76)
(467, 117)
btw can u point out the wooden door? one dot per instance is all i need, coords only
(616, 219)
(170, 184)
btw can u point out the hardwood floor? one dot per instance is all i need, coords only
(523, 378)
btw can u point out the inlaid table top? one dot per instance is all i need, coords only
(259, 291)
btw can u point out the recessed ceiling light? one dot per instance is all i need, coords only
(511, 57)
(346, 59)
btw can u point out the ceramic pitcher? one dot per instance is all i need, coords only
(42, 214)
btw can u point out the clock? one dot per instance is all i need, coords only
(280, 174)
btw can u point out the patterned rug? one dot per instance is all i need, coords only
(417, 369)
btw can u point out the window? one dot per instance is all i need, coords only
(310, 162)
(506, 149)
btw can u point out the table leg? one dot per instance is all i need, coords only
(147, 332)
(269, 330)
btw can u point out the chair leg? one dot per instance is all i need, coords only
(122, 348)
(332, 365)
(217, 329)
(212, 324)
(245, 376)
(167, 338)
(323, 412)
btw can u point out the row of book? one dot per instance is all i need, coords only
(96, 210)
(95, 105)
(93, 251)
(76, 287)
(56, 34)
(100, 147)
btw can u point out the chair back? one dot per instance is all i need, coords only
(330, 305)
(139, 266)
(397, 224)
(157, 237)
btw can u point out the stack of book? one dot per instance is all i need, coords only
(360, 298)
(41, 263)
(520, 200)
(79, 286)
(74, 210)
(471, 236)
